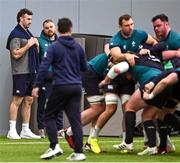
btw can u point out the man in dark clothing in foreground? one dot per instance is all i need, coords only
(67, 59)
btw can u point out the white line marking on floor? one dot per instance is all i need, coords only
(63, 142)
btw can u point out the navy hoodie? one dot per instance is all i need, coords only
(67, 59)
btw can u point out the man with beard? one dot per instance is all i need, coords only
(125, 40)
(47, 37)
(23, 47)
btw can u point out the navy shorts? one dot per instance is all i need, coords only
(161, 100)
(23, 84)
(120, 85)
(90, 81)
(86, 103)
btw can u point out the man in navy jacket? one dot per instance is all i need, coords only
(67, 59)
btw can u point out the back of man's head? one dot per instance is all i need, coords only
(64, 25)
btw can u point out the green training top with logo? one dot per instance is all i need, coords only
(132, 43)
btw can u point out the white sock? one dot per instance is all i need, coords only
(95, 132)
(91, 130)
(90, 133)
(12, 125)
(69, 131)
(25, 126)
(124, 136)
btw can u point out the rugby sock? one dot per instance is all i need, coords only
(157, 138)
(169, 128)
(123, 135)
(151, 132)
(95, 132)
(12, 125)
(163, 133)
(25, 126)
(145, 136)
(130, 121)
(173, 120)
(90, 133)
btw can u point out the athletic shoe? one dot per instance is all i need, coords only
(28, 134)
(61, 133)
(94, 145)
(87, 146)
(42, 133)
(149, 151)
(169, 148)
(125, 148)
(13, 135)
(162, 151)
(69, 139)
(76, 157)
(50, 153)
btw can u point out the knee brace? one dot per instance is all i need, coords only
(118, 69)
(111, 99)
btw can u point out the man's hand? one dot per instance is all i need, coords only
(144, 51)
(35, 92)
(31, 41)
(36, 42)
(130, 58)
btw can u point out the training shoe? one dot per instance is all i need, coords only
(57, 151)
(124, 147)
(170, 148)
(162, 150)
(69, 139)
(13, 135)
(87, 146)
(61, 133)
(42, 133)
(28, 134)
(149, 151)
(76, 157)
(94, 145)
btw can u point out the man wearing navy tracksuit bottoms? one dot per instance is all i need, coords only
(67, 59)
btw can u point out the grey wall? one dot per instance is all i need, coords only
(88, 16)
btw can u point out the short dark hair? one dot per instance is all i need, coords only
(162, 17)
(64, 25)
(47, 21)
(23, 12)
(124, 17)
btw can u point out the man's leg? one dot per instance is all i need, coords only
(124, 98)
(13, 111)
(148, 115)
(26, 113)
(131, 107)
(54, 105)
(111, 101)
(41, 111)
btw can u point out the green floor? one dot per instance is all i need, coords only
(30, 150)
